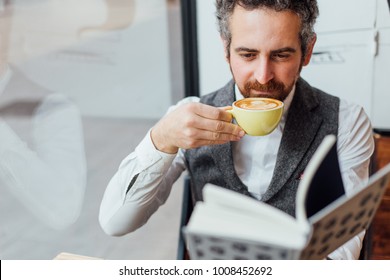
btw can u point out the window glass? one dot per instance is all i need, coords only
(81, 83)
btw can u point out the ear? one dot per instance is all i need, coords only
(309, 50)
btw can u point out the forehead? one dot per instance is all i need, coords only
(264, 26)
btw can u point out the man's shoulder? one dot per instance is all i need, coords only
(314, 97)
(308, 88)
(220, 97)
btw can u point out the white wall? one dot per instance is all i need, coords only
(351, 55)
(213, 69)
(381, 93)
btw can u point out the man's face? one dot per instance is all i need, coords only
(265, 52)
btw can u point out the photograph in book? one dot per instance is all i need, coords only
(229, 225)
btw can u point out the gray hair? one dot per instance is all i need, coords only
(307, 11)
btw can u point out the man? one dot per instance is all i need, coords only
(266, 45)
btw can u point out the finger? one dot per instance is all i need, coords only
(219, 126)
(218, 137)
(202, 143)
(229, 115)
(210, 112)
(226, 108)
(209, 137)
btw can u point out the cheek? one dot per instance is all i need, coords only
(241, 71)
(288, 74)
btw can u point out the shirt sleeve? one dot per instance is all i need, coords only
(355, 147)
(140, 186)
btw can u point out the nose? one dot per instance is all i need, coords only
(264, 71)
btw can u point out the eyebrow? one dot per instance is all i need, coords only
(243, 49)
(286, 49)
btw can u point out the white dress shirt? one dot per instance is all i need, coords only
(124, 210)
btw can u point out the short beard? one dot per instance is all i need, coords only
(272, 89)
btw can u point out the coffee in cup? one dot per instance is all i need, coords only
(257, 116)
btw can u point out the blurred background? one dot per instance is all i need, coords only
(82, 81)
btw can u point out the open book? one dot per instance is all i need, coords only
(229, 225)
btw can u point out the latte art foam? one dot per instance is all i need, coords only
(258, 104)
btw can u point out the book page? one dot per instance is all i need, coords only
(215, 195)
(214, 232)
(229, 225)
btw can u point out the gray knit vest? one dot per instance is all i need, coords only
(313, 114)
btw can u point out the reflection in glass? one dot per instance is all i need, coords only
(42, 163)
(70, 74)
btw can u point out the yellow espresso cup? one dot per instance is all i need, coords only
(257, 116)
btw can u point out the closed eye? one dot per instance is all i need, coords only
(247, 55)
(282, 54)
